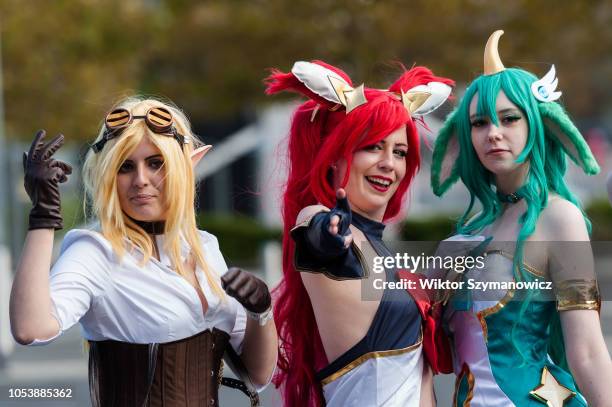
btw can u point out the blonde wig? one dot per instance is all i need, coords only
(102, 201)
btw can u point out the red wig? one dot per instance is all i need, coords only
(320, 135)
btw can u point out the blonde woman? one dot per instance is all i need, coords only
(152, 293)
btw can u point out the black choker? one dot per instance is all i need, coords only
(511, 198)
(153, 228)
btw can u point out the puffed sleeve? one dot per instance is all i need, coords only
(76, 279)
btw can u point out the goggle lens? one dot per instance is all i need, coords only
(118, 118)
(159, 119)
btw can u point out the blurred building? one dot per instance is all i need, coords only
(245, 171)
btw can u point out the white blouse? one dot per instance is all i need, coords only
(123, 301)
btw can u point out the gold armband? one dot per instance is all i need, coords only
(578, 294)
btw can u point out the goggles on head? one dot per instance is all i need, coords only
(158, 119)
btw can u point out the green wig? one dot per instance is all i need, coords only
(551, 138)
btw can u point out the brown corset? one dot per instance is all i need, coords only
(180, 373)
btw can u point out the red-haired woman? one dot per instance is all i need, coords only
(354, 150)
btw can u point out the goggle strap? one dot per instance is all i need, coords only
(97, 147)
(180, 138)
(112, 132)
(108, 135)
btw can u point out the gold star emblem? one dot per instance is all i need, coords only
(550, 392)
(413, 100)
(349, 97)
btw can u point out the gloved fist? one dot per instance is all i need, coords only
(43, 175)
(249, 290)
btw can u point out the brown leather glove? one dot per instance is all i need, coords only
(43, 175)
(249, 290)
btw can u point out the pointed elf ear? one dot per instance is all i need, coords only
(559, 126)
(198, 154)
(444, 171)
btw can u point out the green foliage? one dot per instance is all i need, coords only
(440, 227)
(240, 237)
(600, 213)
(431, 229)
(66, 61)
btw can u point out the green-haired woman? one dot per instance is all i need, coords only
(508, 142)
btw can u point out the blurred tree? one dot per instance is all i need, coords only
(66, 61)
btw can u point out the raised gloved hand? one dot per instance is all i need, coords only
(339, 219)
(43, 175)
(328, 233)
(249, 290)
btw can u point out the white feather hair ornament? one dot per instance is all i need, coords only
(545, 89)
(329, 85)
(419, 100)
(424, 99)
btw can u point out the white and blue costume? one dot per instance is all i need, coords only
(385, 367)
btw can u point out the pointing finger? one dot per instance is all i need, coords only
(342, 202)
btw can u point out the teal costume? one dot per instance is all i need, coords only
(490, 369)
(508, 352)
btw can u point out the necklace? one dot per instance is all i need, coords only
(513, 197)
(153, 228)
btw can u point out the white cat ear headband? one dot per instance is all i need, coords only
(418, 101)
(543, 89)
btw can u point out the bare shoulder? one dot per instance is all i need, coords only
(307, 213)
(562, 220)
(560, 209)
